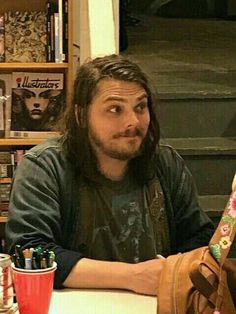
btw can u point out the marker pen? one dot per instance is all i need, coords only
(43, 263)
(51, 258)
(34, 263)
(20, 256)
(28, 253)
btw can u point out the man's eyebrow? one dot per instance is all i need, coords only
(119, 98)
(111, 98)
(143, 96)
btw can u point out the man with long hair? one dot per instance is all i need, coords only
(106, 197)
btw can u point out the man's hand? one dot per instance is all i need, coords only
(145, 276)
(141, 278)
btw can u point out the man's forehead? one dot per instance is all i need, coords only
(107, 87)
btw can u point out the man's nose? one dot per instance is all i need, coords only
(131, 119)
(36, 105)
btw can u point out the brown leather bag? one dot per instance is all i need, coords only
(196, 281)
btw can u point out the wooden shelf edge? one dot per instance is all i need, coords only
(20, 141)
(5, 180)
(25, 66)
(3, 219)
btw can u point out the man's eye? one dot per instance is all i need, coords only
(141, 107)
(115, 109)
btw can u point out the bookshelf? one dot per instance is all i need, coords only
(65, 67)
(8, 144)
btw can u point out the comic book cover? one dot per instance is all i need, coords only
(25, 36)
(5, 104)
(37, 102)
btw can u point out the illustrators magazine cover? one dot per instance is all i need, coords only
(37, 102)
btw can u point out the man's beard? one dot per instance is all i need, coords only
(113, 150)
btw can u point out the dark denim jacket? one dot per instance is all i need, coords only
(44, 202)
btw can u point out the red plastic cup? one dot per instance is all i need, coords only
(33, 289)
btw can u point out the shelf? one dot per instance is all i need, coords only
(20, 5)
(5, 180)
(3, 219)
(33, 65)
(20, 141)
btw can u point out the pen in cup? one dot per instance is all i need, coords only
(33, 258)
(20, 256)
(28, 254)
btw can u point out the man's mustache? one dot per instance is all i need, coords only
(129, 133)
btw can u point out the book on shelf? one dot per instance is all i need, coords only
(6, 172)
(7, 165)
(51, 9)
(2, 120)
(57, 30)
(38, 99)
(2, 39)
(60, 31)
(52, 35)
(62, 14)
(7, 168)
(4, 209)
(65, 30)
(48, 28)
(56, 37)
(5, 104)
(25, 36)
(9, 160)
(5, 189)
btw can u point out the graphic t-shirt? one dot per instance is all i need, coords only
(121, 228)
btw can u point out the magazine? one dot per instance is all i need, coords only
(5, 104)
(37, 102)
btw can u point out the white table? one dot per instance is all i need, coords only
(101, 302)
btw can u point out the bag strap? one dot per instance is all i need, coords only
(224, 234)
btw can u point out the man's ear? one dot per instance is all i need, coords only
(80, 116)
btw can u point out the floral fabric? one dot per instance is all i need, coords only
(224, 235)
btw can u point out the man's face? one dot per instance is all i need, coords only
(118, 119)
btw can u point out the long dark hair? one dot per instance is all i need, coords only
(75, 135)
